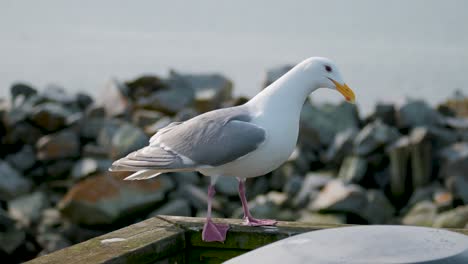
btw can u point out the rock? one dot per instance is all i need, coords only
(399, 153)
(320, 124)
(58, 169)
(161, 123)
(185, 177)
(374, 136)
(114, 98)
(178, 207)
(257, 186)
(379, 210)
(316, 218)
(338, 197)
(198, 198)
(145, 86)
(105, 199)
(88, 166)
(177, 96)
(313, 182)
(51, 242)
(417, 113)
(211, 90)
(22, 133)
(385, 113)
(11, 237)
(454, 168)
(142, 118)
(455, 218)
(293, 185)
(27, 209)
(12, 183)
(341, 147)
(281, 175)
(421, 214)
(50, 116)
(443, 200)
(126, 139)
(426, 193)
(50, 222)
(60, 145)
(22, 89)
(273, 74)
(55, 93)
(107, 131)
(267, 206)
(227, 185)
(353, 169)
(84, 101)
(421, 157)
(22, 160)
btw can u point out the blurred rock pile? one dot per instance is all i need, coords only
(402, 164)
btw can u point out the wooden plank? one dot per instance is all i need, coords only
(242, 237)
(144, 242)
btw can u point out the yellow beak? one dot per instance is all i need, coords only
(345, 91)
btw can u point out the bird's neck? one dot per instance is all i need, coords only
(286, 94)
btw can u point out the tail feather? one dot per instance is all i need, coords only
(143, 175)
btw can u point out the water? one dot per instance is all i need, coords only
(386, 50)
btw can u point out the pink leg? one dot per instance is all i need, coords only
(211, 231)
(248, 218)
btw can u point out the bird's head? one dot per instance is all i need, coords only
(326, 75)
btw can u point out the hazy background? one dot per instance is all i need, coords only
(387, 50)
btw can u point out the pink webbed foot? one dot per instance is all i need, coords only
(214, 232)
(250, 221)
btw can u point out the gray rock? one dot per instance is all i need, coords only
(51, 242)
(12, 183)
(178, 207)
(22, 160)
(88, 166)
(198, 197)
(456, 218)
(50, 222)
(60, 145)
(90, 127)
(227, 185)
(21, 89)
(293, 185)
(374, 136)
(421, 214)
(185, 177)
(379, 210)
(161, 123)
(114, 98)
(58, 169)
(105, 198)
(454, 170)
(385, 113)
(27, 209)
(313, 182)
(281, 175)
(210, 89)
(50, 116)
(142, 118)
(399, 153)
(417, 113)
(171, 100)
(341, 147)
(22, 133)
(421, 157)
(320, 124)
(425, 193)
(273, 74)
(317, 218)
(11, 237)
(257, 186)
(268, 206)
(353, 169)
(84, 101)
(126, 139)
(57, 94)
(339, 197)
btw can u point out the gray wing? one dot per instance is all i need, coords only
(212, 139)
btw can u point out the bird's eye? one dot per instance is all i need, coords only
(328, 68)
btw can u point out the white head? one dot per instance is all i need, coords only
(323, 73)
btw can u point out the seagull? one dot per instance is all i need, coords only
(243, 141)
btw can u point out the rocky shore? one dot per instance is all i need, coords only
(402, 164)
